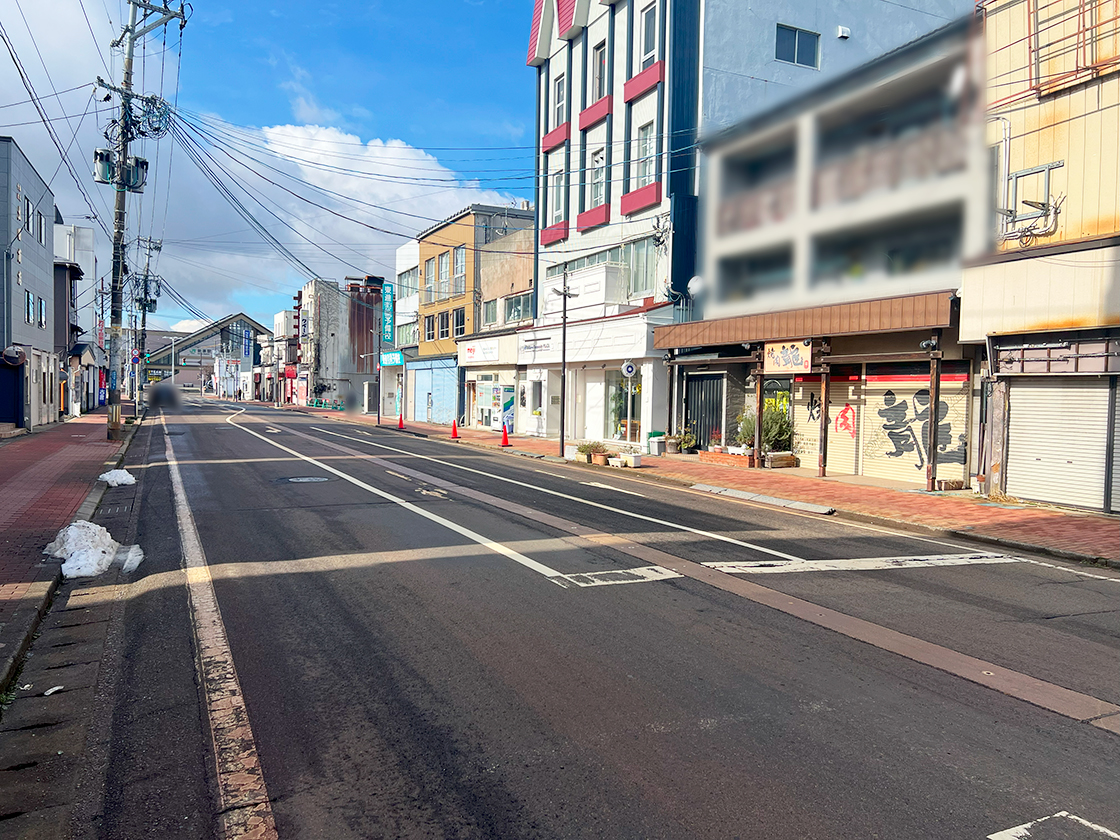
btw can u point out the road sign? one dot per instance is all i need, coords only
(135, 360)
(628, 369)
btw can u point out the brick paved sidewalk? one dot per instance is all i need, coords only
(1028, 526)
(44, 478)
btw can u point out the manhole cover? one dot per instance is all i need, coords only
(305, 479)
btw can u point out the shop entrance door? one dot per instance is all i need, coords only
(703, 406)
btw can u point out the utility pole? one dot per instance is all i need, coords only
(147, 304)
(564, 293)
(124, 180)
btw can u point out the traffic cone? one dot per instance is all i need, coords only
(400, 421)
(505, 436)
(454, 429)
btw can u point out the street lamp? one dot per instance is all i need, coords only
(564, 293)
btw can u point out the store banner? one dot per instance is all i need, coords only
(388, 307)
(787, 357)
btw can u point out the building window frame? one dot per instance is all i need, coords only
(557, 195)
(599, 87)
(445, 324)
(429, 327)
(489, 312)
(29, 307)
(646, 159)
(459, 269)
(518, 307)
(647, 35)
(429, 279)
(559, 101)
(598, 178)
(800, 47)
(444, 275)
(42, 314)
(459, 322)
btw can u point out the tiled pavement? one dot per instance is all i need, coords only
(44, 478)
(1063, 532)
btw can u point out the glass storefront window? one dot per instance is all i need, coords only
(620, 425)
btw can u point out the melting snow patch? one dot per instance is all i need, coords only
(115, 478)
(87, 549)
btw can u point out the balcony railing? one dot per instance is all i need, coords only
(754, 207)
(930, 152)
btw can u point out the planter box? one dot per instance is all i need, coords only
(736, 450)
(727, 460)
(672, 447)
(632, 459)
(615, 462)
(781, 460)
(599, 459)
(718, 449)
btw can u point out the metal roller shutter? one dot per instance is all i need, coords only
(845, 414)
(1115, 500)
(895, 434)
(1057, 440)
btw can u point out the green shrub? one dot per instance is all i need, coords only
(745, 423)
(593, 447)
(777, 430)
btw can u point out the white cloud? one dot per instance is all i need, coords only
(210, 254)
(188, 325)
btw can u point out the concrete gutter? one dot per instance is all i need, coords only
(42, 593)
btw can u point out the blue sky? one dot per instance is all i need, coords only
(446, 78)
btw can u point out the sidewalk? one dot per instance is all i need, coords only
(1064, 533)
(44, 479)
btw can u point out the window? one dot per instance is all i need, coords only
(649, 35)
(641, 258)
(646, 157)
(490, 312)
(408, 282)
(460, 266)
(519, 307)
(408, 334)
(429, 327)
(598, 177)
(27, 212)
(599, 71)
(41, 228)
(429, 280)
(29, 308)
(559, 111)
(445, 325)
(445, 275)
(42, 314)
(558, 196)
(536, 399)
(459, 322)
(797, 46)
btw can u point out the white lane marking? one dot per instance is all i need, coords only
(553, 575)
(609, 487)
(398, 475)
(1023, 832)
(674, 525)
(861, 564)
(245, 810)
(1071, 571)
(613, 577)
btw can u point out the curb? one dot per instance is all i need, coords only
(42, 592)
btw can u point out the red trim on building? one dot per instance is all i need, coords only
(902, 377)
(554, 233)
(557, 137)
(649, 78)
(593, 218)
(595, 114)
(641, 198)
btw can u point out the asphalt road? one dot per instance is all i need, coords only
(439, 641)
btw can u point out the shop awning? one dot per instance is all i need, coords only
(897, 314)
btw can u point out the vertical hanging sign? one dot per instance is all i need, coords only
(248, 348)
(387, 309)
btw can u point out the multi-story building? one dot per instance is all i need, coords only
(622, 88)
(87, 361)
(29, 365)
(1046, 302)
(450, 303)
(836, 227)
(74, 378)
(339, 335)
(488, 358)
(395, 397)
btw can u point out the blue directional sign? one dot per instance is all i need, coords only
(248, 345)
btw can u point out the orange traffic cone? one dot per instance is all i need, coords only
(400, 421)
(505, 436)
(454, 429)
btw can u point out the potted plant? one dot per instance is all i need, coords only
(777, 438)
(585, 450)
(688, 441)
(672, 444)
(716, 442)
(597, 451)
(614, 459)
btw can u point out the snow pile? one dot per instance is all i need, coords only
(115, 478)
(132, 556)
(87, 549)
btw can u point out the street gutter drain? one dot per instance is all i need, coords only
(306, 479)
